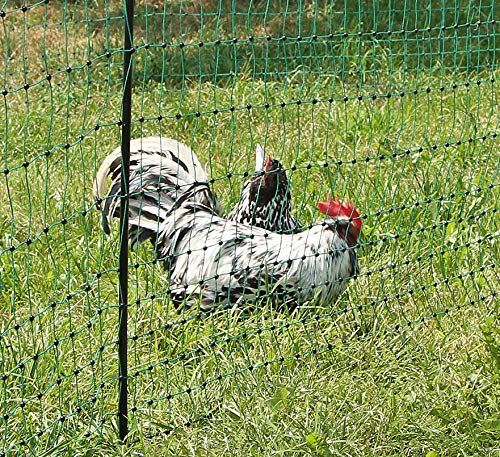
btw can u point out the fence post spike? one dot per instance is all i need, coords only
(123, 263)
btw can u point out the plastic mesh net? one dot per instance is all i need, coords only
(391, 104)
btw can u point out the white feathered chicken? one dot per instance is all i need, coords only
(265, 197)
(215, 261)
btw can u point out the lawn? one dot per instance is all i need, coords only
(405, 363)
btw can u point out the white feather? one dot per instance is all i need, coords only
(259, 158)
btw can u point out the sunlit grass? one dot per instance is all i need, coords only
(405, 362)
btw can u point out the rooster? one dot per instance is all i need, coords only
(216, 261)
(265, 198)
(155, 161)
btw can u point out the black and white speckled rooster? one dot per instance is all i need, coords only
(217, 261)
(265, 198)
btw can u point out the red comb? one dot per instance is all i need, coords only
(336, 208)
(267, 166)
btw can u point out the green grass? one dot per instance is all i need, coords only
(405, 363)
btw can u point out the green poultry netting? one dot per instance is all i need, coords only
(391, 104)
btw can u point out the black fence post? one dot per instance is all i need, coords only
(123, 272)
